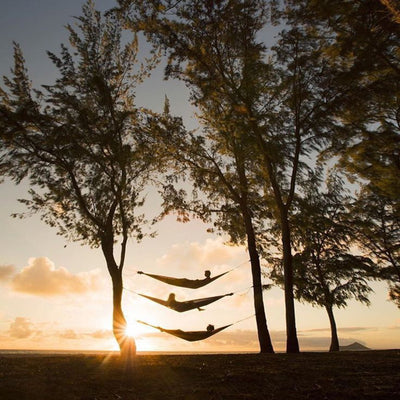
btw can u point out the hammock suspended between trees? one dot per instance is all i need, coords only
(184, 282)
(190, 336)
(182, 306)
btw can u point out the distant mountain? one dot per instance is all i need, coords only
(354, 347)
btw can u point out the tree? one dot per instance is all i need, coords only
(362, 39)
(280, 101)
(81, 143)
(218, 161)
(376, 220)
(393, 8)
(289, 132)
(326, 273)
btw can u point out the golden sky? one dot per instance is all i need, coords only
(57, 297)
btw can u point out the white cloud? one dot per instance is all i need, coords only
(40, 277)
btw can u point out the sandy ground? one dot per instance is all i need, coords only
(348, 375)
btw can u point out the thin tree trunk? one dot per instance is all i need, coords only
(292, 344)
(334, 337)
(126, 344)
(261, 320)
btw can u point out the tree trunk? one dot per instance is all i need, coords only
(292, 344)
(334, 336)
(126, 344)
(261, 320)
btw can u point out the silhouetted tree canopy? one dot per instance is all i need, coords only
(326, 273)
(277, 105)
(213, 48)
(376, 224)
(81, 142)
(362, 42)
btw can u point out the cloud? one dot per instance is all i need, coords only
(238, 338)
(194, 254)
(6, 272)
(345, 329)
(42, 278)
(394, 327)
(21, 328)
(102, 334)
(70, 334)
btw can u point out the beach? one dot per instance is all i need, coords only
(345, 375)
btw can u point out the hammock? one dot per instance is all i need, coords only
(184, 282)
(182, 306)
(190, 336)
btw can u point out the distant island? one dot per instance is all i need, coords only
(354, 347)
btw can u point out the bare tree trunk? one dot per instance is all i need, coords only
(261, 320)
(334, 337)
(126, 344)
(292, 344)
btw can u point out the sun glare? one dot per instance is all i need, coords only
(130, 331)
(136, 331)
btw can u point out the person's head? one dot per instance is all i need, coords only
(207, 274)
(210, 328)
(171, 297)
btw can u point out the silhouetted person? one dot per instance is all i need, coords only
(210, 328)
(176, 305)
(184, 282)
(171, 301)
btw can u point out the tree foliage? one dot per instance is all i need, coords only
(81, 142)
(218, 159)
(376, 222)
(278, 104)
(362, 42)
(326, 272)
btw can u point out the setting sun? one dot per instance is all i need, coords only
(130, 331)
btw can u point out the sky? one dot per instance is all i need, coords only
(56, 295)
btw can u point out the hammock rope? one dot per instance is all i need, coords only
(193, 336)
(189, 283)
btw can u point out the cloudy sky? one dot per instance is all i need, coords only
(57, 295)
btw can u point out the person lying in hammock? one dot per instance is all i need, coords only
(184, 282)
(182, 306)
(190, 336)
(210, 328)
(177, 305)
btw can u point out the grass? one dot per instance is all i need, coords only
(347, 375)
